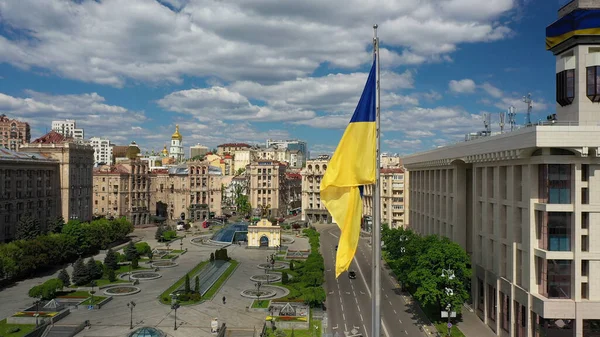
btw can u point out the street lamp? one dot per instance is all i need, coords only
(93, 284)
(131, 305)
(37, 314)
(181, 244)
(175, 306)
(449, 274)
(258, 285)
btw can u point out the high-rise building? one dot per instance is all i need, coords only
(393, 199)
(68, 128)
(525, 204)
(13, 133)
(176, 150)
(198, 150)
(30, 186)
(313, 209)
(267, 186)
(76, 162)
(292, 145)
(103, 154)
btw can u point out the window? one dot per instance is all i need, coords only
(559, 279)
(491, 303)
(555, 183)
(593, 83)
(505, 311)
(565, 87)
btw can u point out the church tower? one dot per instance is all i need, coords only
(176, 149)
(575, 41)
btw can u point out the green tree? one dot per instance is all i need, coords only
(47, 290)
(243, 205)
(285, 279)
(111, 260)
(313, 279)
(95, 271)
(63, 275)
(28, 228)
(430, 274)
(110, 274)
(81, 274)
(56, 225)
(130, 251)
(143, 248)
(150, 255)
(314, 296)
(186, 288)
(135, 263)
(158, 235)
(291, 265)
(197, 284)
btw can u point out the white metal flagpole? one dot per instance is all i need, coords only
(376, 232)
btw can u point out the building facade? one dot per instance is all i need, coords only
(393, 199)
(267, 186)
(264, 234)
(176, 150)
(123, 190)
(198, 150)
(13, 133)
(103, 154)
(68, 128)
(76, 162)
(230, 148)
(243, 158)
(313, 209)
(292, 145)
(524, 204)
(29, 185)
(390, 160)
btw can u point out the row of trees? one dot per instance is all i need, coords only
(23, 258)
(423, 266)
(310, 274)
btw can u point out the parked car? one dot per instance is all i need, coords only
(352, 275)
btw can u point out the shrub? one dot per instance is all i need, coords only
(143, 248)
(183, 297)
(63, 275)
(195, 297)
(112, 277)
(135, 263)
(186, 288)
(285, 279)
(130, 252)
(212, 257)
(81, 274)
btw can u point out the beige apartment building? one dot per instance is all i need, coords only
(76, 161)
(393, 198)
(525, 205)
(187, 191)
(313, 210)
(123, 190)
(13, 133)
(268, 186)
(230, 148)
(30, 185)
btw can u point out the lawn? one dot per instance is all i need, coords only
(262, 304)
(165, 297)
(168, 257)
(97, 299)
(5, 329)
(125, 269)
(103, 282)
(213, 290)
(176, 251)
(299, 333)
(75, 294)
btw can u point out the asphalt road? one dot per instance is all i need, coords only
(349, 301)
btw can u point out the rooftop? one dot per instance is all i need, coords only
(22, 156)
(51, 137)
(234, 145)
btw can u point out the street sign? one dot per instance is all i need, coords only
(449, 325)
(90, 307)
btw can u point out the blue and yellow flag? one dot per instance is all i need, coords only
(579, 22)
(353, 165)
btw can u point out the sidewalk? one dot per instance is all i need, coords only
(472, 326)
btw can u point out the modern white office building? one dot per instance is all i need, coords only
(526, 204)
(102, 150)
(68, 128)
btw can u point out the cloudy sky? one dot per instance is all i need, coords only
(248, 70)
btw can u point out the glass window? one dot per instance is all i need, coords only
(591, 328)
(565, 87)
(592, 83)
(559, 278)
(559, 232)
(555, 183)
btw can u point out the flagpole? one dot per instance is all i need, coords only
(376, 239)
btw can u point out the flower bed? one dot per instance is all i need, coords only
(32, 314)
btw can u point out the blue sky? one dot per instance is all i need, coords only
(245, 71)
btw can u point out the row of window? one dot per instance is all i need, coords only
(565, 85)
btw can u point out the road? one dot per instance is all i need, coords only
(349, 301)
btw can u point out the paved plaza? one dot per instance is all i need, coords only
(114, 318)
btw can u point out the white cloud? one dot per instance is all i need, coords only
(89, 110)
(465, 86)
(403, 144)
(492, 90)
(221, 103)
(418, 133)
(113, 41)
(432, 95)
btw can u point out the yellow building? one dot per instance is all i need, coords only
(264, 234)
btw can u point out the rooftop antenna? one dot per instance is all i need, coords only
(502, 115)
(529, 102)
(511, 117)
(487, 117)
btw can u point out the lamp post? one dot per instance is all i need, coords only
(258, 285)
(93, 284)
(175, 306)
(37, 314)
(131, 305)
(449, 275)
(181, 244)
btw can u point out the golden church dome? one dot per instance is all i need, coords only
(177, 135)
(165, 152)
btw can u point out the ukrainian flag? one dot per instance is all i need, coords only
(580, 22)
(353, 165)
